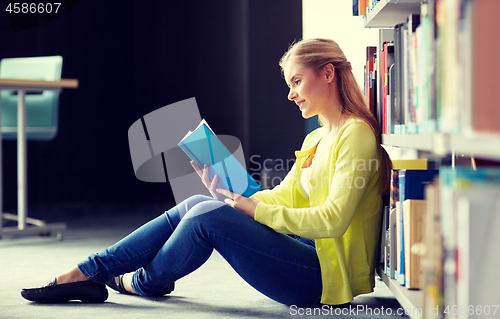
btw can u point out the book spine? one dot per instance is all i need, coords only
(448, 66)
(433, 258)
(384, 87)
(398, 79)
(485, 66)
(414, 216)
(401, 247)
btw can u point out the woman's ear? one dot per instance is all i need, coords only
(329, 72)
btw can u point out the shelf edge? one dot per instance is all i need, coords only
(413, 309)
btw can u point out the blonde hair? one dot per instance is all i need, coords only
(316, 54)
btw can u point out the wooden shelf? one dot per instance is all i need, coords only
(479, 146)
(410, 300)
(388, 13)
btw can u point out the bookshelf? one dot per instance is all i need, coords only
(388, 13)
(442, 144)
(472, 139)
(410, 300)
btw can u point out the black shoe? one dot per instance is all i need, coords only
(116, 283)
(86, 291)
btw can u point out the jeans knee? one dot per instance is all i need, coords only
(184, 207)
(196, 199)
(203, 208)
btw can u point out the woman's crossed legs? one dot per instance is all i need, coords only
(183, 238)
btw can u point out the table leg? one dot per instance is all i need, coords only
(1, 162)
(22, 198)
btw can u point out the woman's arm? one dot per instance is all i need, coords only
(340, 197)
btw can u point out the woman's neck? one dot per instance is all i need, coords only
(334, 120)
(333, 115)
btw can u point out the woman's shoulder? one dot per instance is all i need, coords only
(357, 127)
(357, 131)
(356, 122)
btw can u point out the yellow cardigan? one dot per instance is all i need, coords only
(342, 212)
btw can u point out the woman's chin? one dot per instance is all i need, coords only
(306, 115)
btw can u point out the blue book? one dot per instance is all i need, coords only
(205, 148)
(412, 185)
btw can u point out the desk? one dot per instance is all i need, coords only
(39, 227)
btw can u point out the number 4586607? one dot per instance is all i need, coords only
(33, 7)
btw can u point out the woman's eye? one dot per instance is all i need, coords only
(297, 82)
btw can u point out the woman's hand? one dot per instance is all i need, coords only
(244, 204)
(210, 185)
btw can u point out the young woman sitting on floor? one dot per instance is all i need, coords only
(311, 240)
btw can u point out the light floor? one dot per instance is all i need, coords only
(213, 291)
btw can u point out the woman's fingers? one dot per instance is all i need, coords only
(206, 177)
(197, 168)
(213, 185)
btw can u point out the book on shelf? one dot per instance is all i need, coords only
(390, 114)
(363, 7)
(394, 262)
(416, 164)
(355, 8)
(392, 246)
(478, 252)
(432, 261)
(383, 235)
(394, 189)
(411, 186)
(426, 118)
(401, 102)
(381, 88)
(414, 228)
(398, 258)
(448, 66)
(387, 63)
(420, 163)
(409, 78)
(453, 182)
(485, 44)
(373, 88)
(412, 77)
(359, 7)
(205, 148)
(441, 78)
(397, 165)
(385, 59)
(370, 74)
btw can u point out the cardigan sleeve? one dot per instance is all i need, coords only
(333, 205)
(279, 195)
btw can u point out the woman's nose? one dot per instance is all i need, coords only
(292, 95)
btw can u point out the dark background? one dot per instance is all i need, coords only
(134, 57)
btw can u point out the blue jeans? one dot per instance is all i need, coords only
(284, 268)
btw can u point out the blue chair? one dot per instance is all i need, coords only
(41, 107)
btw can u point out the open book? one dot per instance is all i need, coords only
(205, 148)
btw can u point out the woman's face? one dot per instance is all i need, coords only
(308, 89)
